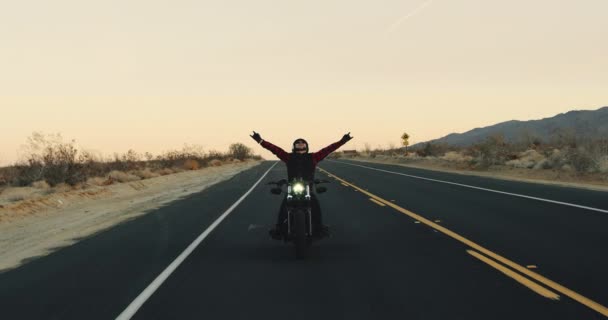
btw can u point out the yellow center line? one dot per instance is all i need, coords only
(551, 284)
(377, 202)
(516, 276)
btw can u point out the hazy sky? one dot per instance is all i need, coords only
(153, 75)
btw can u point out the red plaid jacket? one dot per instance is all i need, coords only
(316, 157)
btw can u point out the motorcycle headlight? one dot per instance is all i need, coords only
(298, 188)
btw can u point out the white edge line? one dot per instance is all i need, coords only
(480, 188)
(154, 285)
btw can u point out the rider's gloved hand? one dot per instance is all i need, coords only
(346, 138)
(256, 136)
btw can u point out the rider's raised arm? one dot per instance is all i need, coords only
(280, 153)
(321, 154)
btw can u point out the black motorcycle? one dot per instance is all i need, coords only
(298, 227)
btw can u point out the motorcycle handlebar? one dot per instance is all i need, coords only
(283, 182)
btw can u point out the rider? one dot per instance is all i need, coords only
(301, 165)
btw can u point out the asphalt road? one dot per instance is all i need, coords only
(401, 247)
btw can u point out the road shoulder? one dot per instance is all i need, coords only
(79, 214)
(493, 175)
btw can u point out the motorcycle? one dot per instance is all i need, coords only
(298, 227)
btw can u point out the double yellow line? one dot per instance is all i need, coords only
(507, 267)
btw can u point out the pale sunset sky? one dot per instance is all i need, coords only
(154, 75)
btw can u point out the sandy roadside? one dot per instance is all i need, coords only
(33, 228)
(521, 175)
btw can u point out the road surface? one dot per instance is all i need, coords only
(406, 243)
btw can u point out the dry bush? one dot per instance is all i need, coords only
(527, 140)
(165, 171)
(564, 138)
(19, 193)
(494, 150)
(528, 159)
(146, 173)
(602, 165)
(454, 156)
(63, 187)
(215, 163)
(240, 151)
(8, 175)
(128, 161)
(556, 159)
(580, 159)
(123, 176)
(431, 149)
(191, 164)
(588, 156)
(98, 181)
(15, 197)
(50, 159)
(42, 185)
(92, 165)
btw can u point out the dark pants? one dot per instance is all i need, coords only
(316, 212)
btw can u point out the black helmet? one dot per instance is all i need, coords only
(299, 140)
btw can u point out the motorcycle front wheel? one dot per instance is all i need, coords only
(300, 239)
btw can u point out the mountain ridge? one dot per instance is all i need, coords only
(581, 123)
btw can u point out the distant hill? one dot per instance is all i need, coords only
(583, 123)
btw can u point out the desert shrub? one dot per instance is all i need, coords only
(21, 193)
(40, 185)
(528, 159)
(580, 159)
(92, 165)
(454, 156)
(165, 171)
(61, 165)
(49, 158)
(128, 161)
(527, 140)
(564, 138)
(8, 175)
(600, 155)
(556, 159)
(215, 163)
(122, 176)
(16, 197)
(411, 156)
(602, 165)
(98, 181)
(191, 164)
(239, 151)
(63, 187)
(431, 149)
(179, 158)
(494, 150)
(146, 173)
